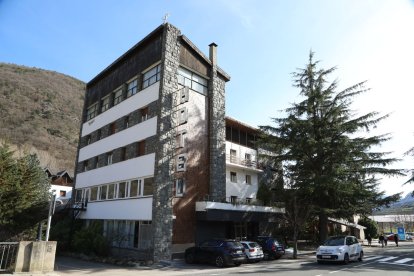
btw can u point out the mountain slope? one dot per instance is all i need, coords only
(40, 112)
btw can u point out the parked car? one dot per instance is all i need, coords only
(221, 252)
(390, 237)
(340, 249)
(253, 251)
(272, 248)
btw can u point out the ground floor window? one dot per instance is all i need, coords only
(128, 234)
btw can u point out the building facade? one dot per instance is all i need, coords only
(151, 159)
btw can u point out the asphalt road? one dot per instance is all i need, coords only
(378, 261)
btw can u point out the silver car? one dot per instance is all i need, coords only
(340, 249)
(253, 251)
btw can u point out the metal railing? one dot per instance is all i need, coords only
(241, 161)
(8, 253)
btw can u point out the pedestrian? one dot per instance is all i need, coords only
(385, 240)
(381, 240)
(369, 239)
(396, 238)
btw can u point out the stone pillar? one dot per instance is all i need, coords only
(217, 131)
(162, 209)
(36, 256)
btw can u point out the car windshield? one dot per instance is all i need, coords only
(253, 244)
(233, 244)
(335, 241)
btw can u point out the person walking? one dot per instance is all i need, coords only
(385, 240)
(381, 240)
(396, 238)
(369, 239)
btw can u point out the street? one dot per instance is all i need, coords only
(377, 261)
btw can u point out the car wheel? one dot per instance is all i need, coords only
(189, 258)
(276, 257)
(361, 256)
(237, 264)
(346, 258)
(219, 261)
(319, 262)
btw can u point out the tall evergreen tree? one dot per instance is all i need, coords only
(326, 158)
(24, 193)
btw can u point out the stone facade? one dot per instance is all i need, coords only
(162, 211)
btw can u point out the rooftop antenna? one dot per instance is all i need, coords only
(165, 18)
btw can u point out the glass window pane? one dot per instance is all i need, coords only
(103, 192)
(111, 189)
(121, 189)
(134, 188)
(148, 189)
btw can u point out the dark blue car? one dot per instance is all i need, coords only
(221, 252)
(272, 248)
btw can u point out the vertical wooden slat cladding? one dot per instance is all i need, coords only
(192, 60)
(126, 68)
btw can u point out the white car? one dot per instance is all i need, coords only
(253, 251)
(340, 249)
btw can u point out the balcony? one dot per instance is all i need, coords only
(242, 163)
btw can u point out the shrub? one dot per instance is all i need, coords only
(90, 240)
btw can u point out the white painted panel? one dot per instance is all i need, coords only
(133, 168)
(141, 99)
(126, 209)
(122, 138)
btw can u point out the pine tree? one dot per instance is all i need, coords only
(24, 193)
(326, 159)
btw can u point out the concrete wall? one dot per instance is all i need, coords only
(36, 256)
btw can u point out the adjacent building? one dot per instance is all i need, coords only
(159, 166)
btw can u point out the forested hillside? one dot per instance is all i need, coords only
(40, 112)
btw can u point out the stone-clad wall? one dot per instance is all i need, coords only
(162, 212)
(217, 132)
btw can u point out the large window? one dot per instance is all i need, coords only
(179, 187)
(148, 186)
(92, 111)
(132, 87)
(151, 76)
(192, 80)
(122, 189)
(233, 177)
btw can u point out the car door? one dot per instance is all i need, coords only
(351, 247)
(203, 254)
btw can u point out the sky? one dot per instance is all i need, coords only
(260, 44)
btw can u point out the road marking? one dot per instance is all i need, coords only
(387, 259)
(403, 260)
(372, 258)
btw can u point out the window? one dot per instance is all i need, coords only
(181, 162)
(248, 159)
(151, 76)
(96, 162)
(144, 113)
(248, 200)
(233, 177)
(111, 191)
(103, 192)
(132, 88)
(94, 194)
(62, 193)
(135, 188)
(88, 139)
(123, 154)
(112, 129)
(192, 80)
(233, 156)
(109, 158)
(233, 199)
(105, 104)
(92, 111)
(126, 122)
(148, 186)
(122, 189)
(248, 179)
(85, 166)
(180, 139)
(182, 116)
(141, 148)
(184, 94)
(179, 187)
(98, 134)
(118, 96)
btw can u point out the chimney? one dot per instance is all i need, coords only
(213, 53)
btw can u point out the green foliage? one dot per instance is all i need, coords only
(24, 193)
(372, 227)
(326, 160)
(90, 240)
(61, 232)
(264, 194)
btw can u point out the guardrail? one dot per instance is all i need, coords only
(243, 162)
(8, 253)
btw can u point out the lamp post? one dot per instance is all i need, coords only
(51, 212)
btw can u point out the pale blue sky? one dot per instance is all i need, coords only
(259, 44)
